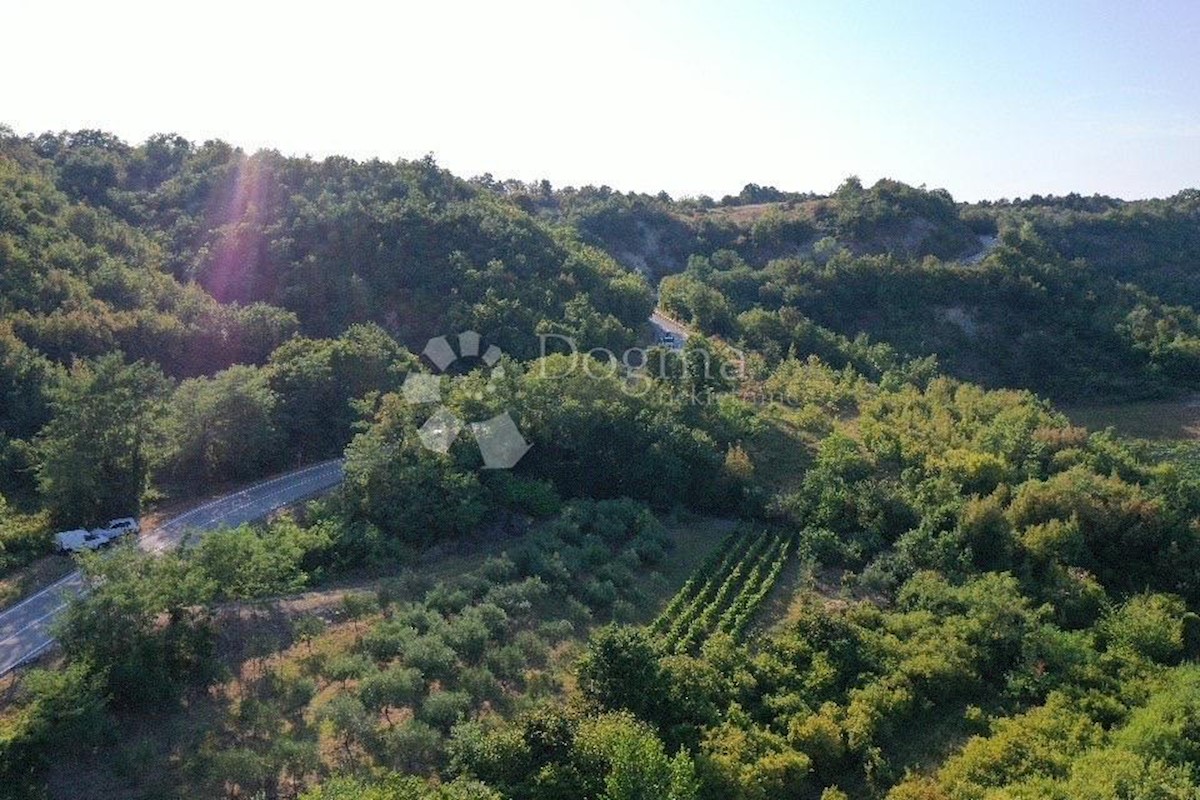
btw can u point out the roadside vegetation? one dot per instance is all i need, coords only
(878, 565)
(997, 565)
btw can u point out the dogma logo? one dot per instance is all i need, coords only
(500, 441)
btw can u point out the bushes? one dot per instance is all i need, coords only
(468, 636)
(400, 787)
(1128, 534)
(347, 667)
(1167, 727)
(743, 761)
(394, 687)
(248, 562)
(443, 709)
(553, 753)
(22, 537)
(60, 709)
(1057, 750)
(632, 760)
(431, 655)
(1149, 626)
(388, 639)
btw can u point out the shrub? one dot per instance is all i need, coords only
(468, 636)
(1149, 626)
(443, 709)
(431, 656)
(348, 667)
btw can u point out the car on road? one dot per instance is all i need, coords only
(670, 340)
(78, 540)
(122, 526)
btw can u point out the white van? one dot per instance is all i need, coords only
(78, 540)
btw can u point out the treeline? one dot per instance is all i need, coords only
(990, 289)
(1150, 243)
(337, 242)
(1023, 317)
(656, 234)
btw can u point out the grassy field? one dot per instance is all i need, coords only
(783, 449)
(1156, 419)
(1167, 430)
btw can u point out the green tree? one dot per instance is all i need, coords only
(631, 760)
(143, 625)
(620, 672)
(56, 709)
(400, 787)
(97, 449)
(393, 688)
(223, 428)
(247, 562)
(315, 381)
(411, 493)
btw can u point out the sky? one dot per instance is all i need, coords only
(987, 100)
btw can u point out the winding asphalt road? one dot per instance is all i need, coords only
(25, 628)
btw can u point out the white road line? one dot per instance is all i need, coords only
(49, 613)
(41, 593)
(32, 654)
(298, 485)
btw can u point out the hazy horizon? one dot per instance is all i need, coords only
(986, 103)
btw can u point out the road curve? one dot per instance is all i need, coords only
(25, 628)
(667, 325)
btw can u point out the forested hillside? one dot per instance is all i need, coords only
(406, 245)
(839, 544)
(161, 287)
(1072, 297)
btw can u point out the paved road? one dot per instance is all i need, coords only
(663, 325)
(986, 245)
(25, 628)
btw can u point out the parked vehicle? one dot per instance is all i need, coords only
(122, 526)
(78, 540)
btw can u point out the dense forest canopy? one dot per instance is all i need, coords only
(874, 561)
(1072, 297)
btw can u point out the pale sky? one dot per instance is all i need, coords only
(987, 100)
